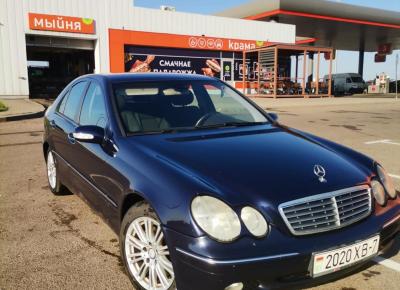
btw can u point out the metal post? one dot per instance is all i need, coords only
(397, 64)
(318, 63)
(258, 72)
(244, 73)
(330, 72)
(310, 68)
(361, 53)
(361, 62)
(276, 72)
(304, 73)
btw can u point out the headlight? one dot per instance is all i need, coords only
(386, 181)
(216, 218)
(254, 221)
(379, 192)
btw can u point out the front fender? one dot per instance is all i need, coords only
(168, 188)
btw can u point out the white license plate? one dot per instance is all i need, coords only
(331, 261)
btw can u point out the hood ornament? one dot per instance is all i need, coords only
(319, 171)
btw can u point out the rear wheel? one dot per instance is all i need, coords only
(52, 174)
(144, 250)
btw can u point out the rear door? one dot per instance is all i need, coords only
(348, 85)
(339, 85)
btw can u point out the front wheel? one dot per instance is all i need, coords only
(144, 250)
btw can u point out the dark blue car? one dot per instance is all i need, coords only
(207, 191)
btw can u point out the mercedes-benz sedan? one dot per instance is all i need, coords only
(208, 191)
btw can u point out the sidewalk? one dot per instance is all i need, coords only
(21, 109)
(315, 102)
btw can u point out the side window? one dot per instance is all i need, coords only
(93, 108)
(61, 106)
(74, 99)
(348, 80)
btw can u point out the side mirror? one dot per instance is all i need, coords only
(273, 116)
(89, 134)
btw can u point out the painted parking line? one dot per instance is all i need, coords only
(394, 176)
(376, 141)
(387, 263)
(383, 141)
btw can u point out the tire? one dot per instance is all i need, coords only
(53, 179)
(148, 248)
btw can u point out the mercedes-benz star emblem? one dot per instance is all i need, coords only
(320, 172)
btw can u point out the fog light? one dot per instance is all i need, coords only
(235, 286)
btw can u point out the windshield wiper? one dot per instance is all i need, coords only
(152, 132)
(163, 131)
(185, 129)
(230, 124)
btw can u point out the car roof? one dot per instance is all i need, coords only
(135, 77)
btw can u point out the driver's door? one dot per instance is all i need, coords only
(93, 161)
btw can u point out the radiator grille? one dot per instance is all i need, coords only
(327, 211)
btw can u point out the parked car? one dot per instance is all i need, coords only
(347, 84)
(208, 191)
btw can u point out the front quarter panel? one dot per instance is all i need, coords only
(168, 188)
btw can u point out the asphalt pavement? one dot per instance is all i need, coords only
(49, 242)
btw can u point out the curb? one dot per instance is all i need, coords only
(24, 116)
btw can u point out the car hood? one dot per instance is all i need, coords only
(264, 165)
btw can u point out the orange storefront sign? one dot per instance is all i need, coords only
(119, 38)
(61, 23)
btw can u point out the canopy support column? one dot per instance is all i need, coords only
(361, 62)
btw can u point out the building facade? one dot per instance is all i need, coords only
(44, 44)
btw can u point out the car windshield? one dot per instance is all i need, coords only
(168, 106)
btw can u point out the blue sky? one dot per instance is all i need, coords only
(346, 61)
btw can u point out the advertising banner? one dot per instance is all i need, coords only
(171, 61)
(186, 61)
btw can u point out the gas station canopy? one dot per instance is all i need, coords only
(331, 24)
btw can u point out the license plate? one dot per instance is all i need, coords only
(331, 261)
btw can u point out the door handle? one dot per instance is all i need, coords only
(71, 138)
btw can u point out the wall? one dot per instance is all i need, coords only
(14, 25)
(117, 14)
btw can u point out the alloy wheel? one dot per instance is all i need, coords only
(147, 254)
(51, 170)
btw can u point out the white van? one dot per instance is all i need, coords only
(347, 84)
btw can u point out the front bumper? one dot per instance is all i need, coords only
(280, 260)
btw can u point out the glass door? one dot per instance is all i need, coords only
(227, 70)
